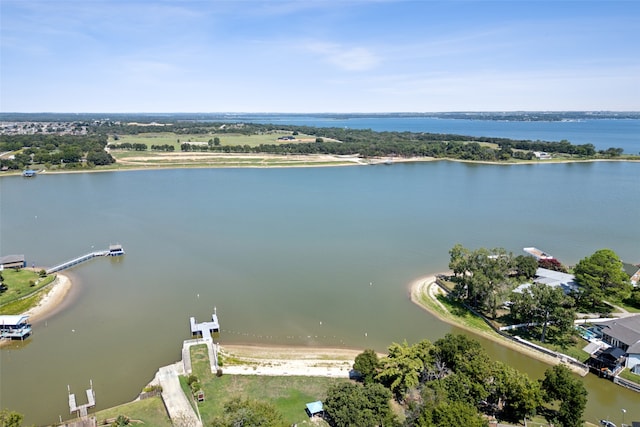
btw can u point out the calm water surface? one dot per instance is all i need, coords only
(602, 133)
(313, 256)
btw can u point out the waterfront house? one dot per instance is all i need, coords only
(552, 278)
(29, 173)
(623, 333)
(12, 261)
(14, 326)
(633, 271)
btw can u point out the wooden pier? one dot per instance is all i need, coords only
(82, 410)
(114, 250)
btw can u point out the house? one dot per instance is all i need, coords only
(552, 278)
(633, 271)
(12, 261)
(633, 358)
(287, 138)
(29, 173)
(542, 155)
(623, 333)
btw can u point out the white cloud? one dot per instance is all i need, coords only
(346, 58)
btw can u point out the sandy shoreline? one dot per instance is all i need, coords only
(288, 361)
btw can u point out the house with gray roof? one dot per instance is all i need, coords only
(623, 333)
(552, 278)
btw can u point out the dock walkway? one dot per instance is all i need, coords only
(114, 250)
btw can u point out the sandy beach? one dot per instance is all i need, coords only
(288, 361)
(58, 290)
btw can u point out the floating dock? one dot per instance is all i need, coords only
(537, 253)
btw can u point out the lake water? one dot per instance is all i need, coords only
(602, 133)
(308, 256)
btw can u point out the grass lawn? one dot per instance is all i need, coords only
(288, 394)
(170, 138)
(628, 375)
(150, 411)
(573, 349)
(25, 288)
(464, 315)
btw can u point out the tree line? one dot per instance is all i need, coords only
(450, 382)
(69, 151)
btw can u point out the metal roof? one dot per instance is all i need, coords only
(314, 407)
(13, 320)
(8, 259)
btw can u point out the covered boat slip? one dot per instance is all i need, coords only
(14, 326)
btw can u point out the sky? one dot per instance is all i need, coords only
(309, 56)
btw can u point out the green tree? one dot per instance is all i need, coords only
(249, 413)
(601, 276)
(367, 364)
(401, 369)
(561, 386)
(526, 266)
(349, 404)
(545, 305)
(10, 418)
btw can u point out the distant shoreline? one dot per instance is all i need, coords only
(314, 161)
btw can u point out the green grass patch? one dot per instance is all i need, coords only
(463, 315)
(25, 288)
(573, 347)
(170, 138)
(628, 375)
(288, 394)
(150, 411)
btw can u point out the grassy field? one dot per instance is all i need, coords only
(288, 394)
(25, 288)
(150, 412)
(628, 375)
(170, 138)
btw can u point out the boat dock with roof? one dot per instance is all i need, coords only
(114, 250)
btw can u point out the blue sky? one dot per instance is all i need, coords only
(318, 56)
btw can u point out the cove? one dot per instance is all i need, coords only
(300, 256)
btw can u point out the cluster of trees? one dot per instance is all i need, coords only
(563, 146)
(136, 146)
(450, 382)
(46, 149)
(601, 278)
(485, 277)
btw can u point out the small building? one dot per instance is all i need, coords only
(542, 155)
(115, 250)
(608, 361)
(12, 261)
(315, 408)
(14, 326)
(29, 173)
